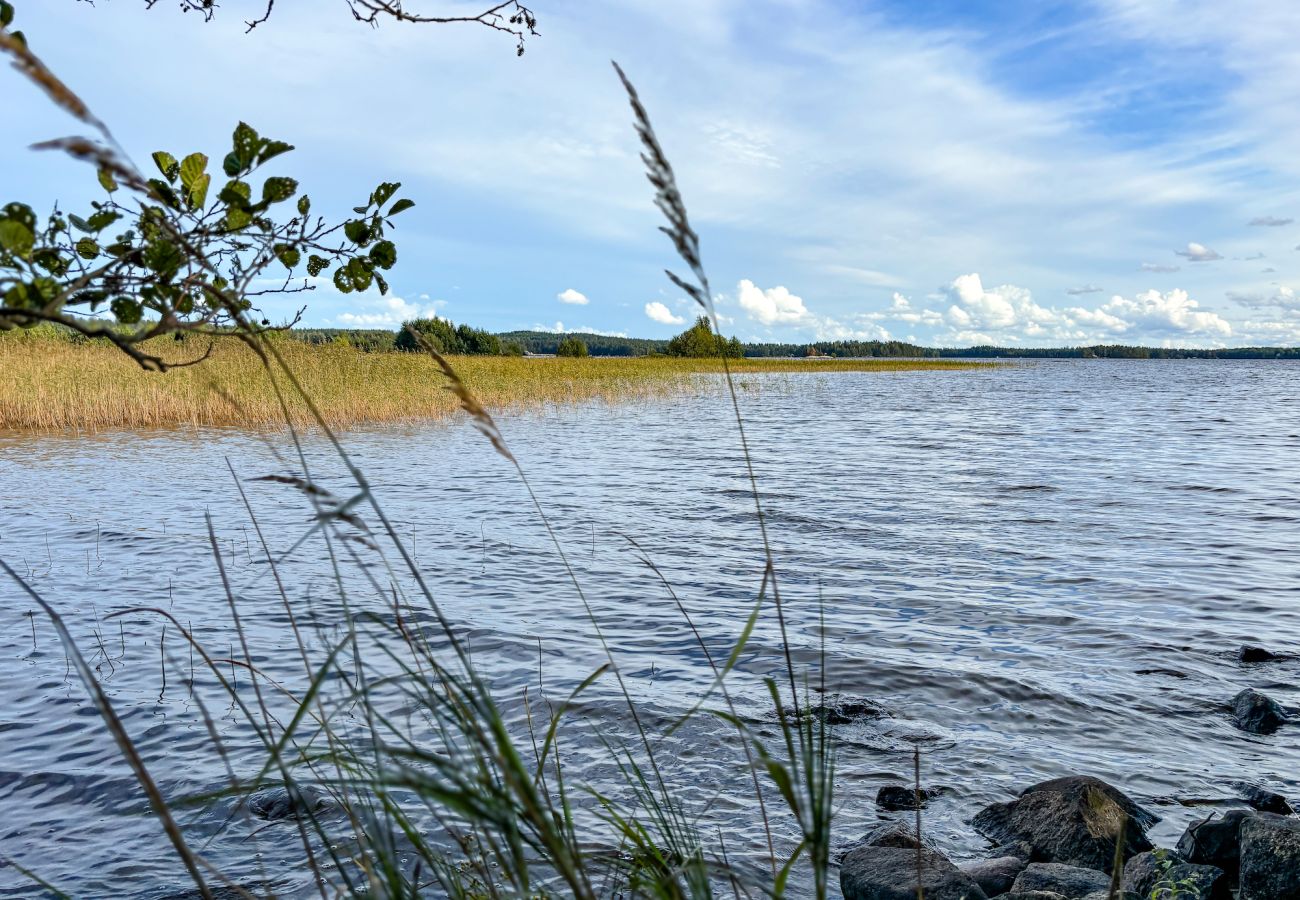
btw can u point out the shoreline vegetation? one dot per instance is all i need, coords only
(50, 384)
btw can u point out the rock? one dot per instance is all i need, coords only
(895, 797)
(1252, 654)
(274, 804)
(1032, 895)
(889, 873)
(1270, 858)
(838, 709)
(1262, 799)
(1256, 712)
(1069, 881)
(1215, 840)
(1163, 875)
(893, 834)
(1019, 849)
(1069, 820)
(995, 876)
(1105, 895)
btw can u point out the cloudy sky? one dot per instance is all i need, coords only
(954, 172)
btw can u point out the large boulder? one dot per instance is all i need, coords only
(1068, 881)
(1257, 713)
(1072, 820)
(1215, 840)
(995, 876)
(1252, 654)
(1162, 875)
(1270, 858)
(889, 873)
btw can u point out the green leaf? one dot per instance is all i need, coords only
(278, 189)
(106, 180)
(247, 143)
(231, 165)
(360, 272)
(401, 206)
(316, 265)
(198, 195)
(357, 231)
(87, 248)
(51, 260)
(236, 193)
(166, 164)
(6, 13)
(192, 169)
(99, 221)
(288, 255)
(342, 281)
(127, 311)
(383, 285)
(304, 205)
(16, 238)
(383, 193)
(384, 254)
(237, 219)
(21, 212)
(163, 193)
(272, 150)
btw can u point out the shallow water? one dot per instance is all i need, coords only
(996, 557)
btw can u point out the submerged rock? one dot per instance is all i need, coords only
(1270, 858)
(889, 873)
(274, 804)
(1251, 654)
(1262, 799)
(1257, 713)
(1071, 820)
(1068, 881)
(841, 709)
(1215, 840)
(896, 797)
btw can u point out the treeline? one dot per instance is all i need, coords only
(597, 344)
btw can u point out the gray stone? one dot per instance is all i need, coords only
(1262, 799)
(896, 797)
(1252, 654)
(1257, 713)
(996, 876)
(1164, 875)
(1270, 858)
(1031, 895)
(889, 873)
(1215, 840)
(1069, 881)
(1069, 820)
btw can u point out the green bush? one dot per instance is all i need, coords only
(572, 346)
(699, 340)
(446, 337)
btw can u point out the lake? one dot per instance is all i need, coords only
(1037, 569)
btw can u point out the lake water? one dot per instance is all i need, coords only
(995, 556)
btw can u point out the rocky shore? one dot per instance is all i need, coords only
(1079, 838)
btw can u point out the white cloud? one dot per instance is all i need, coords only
(1198, 253)
(1270, 221)
(1086, 289)
(1281, 298)
(1160, 267)
(557, 328)
(662, 314)
(772, 306)
(569, 295)
(1169, 313)
(387, 312)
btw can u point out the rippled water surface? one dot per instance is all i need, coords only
(1038, 569)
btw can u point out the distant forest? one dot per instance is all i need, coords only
(606, 345)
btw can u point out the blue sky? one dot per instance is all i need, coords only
(946, 172)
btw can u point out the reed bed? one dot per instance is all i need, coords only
(49, 384)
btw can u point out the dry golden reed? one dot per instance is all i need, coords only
(54, 385)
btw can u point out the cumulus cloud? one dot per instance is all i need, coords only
(1282, 298)
(558, 328)
(1169, 313)
(662, 314)
(1270, 221)
(569, 295)
(1086, 289)
(387, 312)
(772, 306)
(1159, 267)
(1198, 253)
